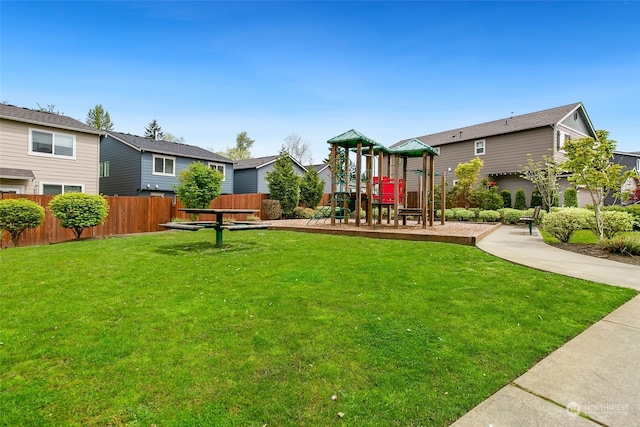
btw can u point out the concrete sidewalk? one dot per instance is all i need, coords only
(597, 373)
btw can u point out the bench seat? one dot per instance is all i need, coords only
(182, 226)
(245, 227)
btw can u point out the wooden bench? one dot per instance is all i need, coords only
(236, 227)
(182, 226)
(530, 220)
(405, 212)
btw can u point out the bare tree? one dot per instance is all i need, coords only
(297, 148)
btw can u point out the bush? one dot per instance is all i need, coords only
(303, 213)
(272, 209)
(629, 245)
(511, 216)
(506, 198)
(634, 210)
(612, 223)
(16, 215)
(460, 214)
(198, 185)
(563, 223)
(521, 201)
(536, 199)
(78, 211)
(489, 216)
(311, 188)
(284, 184)
(571, 198)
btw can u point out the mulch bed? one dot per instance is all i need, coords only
(598, 252)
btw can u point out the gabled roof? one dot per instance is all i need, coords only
(413, 148)
(34, 117)
(319, 168)
(260, 162)
(143, 144)
(538, 119)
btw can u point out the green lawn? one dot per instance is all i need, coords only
(165, 329)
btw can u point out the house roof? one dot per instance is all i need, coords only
(27, 115)
(142, 144)
(260, 162)
(319, 168)
(502, 126)
(11, 173)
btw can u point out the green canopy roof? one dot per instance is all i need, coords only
(413, 148)
(350, 139)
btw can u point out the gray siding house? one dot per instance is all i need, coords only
(250, 176)
(136, 166)
(630, 161)
(504, 144)
(46, 153)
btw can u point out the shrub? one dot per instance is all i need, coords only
(489, 216)
(634, 210)
(612, 223)
(506, 198)
(536, 199)
(198, 185)
(628, 244)
(78, 211)
(16, 215)
(563, 223)
(571, 198)
(272, 209)
(323, 211)
(521, 201)
(511, 216)
(460, 214)
(303, 213)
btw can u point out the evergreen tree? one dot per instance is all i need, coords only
(154, 131)
(311, 188)
(521, 200)
(99, 118)
(284, 184)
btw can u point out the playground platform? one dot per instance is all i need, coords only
(462, 233)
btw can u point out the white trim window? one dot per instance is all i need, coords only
(52, 144)
(220, 167)
(480, 147)
(52, 189)
(14, 189)
(164, 165)
(104, 169)
(638, 165)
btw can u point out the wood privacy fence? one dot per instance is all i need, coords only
(127, 215)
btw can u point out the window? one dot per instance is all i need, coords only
(480, 147)
(638, 165)
(43, 143)
(219, 167)
(164, 165)
(104, 169)
(54, 189)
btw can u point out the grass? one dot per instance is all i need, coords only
(166, 329)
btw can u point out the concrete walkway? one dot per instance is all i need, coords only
(596, 374)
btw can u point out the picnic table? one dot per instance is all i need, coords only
(219, 225)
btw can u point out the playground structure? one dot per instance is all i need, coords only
(379, 189)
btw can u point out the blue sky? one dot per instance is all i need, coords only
(208, 70)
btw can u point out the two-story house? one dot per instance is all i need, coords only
(250, 176)
(46, 153)
(504, 144)
(132, 165)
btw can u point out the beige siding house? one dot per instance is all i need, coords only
(504, 144)
(45, 153)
